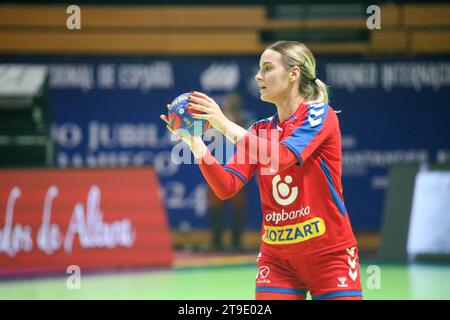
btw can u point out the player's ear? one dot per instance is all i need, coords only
(294, 73)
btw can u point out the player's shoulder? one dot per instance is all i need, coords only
(317, 106)
(318, 115)
(321, 110)
(263, 123)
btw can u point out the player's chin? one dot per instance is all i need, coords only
(265, 97)
(262, 95)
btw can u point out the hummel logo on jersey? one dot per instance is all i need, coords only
(352, 271)
(342, 282)
(352, 263)
(353, 274)
(351, 251)
(317, 105)
(314, 114)
(317, 113)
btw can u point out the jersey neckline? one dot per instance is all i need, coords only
(276, 120)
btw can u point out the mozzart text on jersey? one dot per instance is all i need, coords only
(86, 222)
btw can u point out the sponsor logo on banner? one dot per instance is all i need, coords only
(220, 77)
(53, 216)
(86, 223)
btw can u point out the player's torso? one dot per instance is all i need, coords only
(301, 211)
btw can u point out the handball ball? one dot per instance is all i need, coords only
(180, 117)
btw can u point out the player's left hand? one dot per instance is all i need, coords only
(211, 110)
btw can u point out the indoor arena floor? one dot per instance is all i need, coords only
(231, 278)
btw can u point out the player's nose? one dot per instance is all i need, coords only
(258, 76)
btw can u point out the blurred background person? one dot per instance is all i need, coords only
(234, 208)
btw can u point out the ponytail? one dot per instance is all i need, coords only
(321, 91)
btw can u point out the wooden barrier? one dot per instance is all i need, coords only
(426, 15)
(430, 42)
(130, 43)
(209, 29)
(389, 41)
(136, 16)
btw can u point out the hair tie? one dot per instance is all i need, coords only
(313, 80)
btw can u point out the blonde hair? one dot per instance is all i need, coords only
(297, 54)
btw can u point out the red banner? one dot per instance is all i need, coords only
(92, 218)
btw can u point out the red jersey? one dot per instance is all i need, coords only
(303, 207)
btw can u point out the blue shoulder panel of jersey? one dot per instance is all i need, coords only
(265, 120)
(304, 134)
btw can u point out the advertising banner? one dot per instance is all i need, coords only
(91, 218)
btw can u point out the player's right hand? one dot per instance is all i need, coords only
(185, 137)
(195, 143)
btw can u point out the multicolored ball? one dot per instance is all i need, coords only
(181, 118)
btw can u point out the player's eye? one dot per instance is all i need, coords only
(266, 69)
